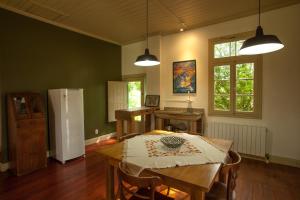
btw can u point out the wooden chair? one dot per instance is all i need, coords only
(144, 186)
(127, 136)
(224, 188)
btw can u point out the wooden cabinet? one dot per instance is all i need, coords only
(193, 117)
(128, 115)
(27, 130)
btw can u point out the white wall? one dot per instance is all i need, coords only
(281, 73)
(132, 51)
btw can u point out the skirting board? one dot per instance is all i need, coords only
(285, 161)
(100, 138)
(5, 166)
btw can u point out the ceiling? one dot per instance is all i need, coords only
(123, 21)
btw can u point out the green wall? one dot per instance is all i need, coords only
(35, 56)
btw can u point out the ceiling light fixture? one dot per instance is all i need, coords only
(261, 43)
(147, 59)
(182, 27)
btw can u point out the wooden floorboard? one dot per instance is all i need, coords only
(84, 179)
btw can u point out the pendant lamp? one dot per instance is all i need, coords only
(261, 43)
(146, 59)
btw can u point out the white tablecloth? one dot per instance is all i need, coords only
(147, 151)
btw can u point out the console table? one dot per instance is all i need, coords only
(194, 117)
(127, 115)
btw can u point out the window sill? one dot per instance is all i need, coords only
(235, 115)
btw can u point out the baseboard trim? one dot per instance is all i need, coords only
(253, 157)
(275, 159)
(285, 161)
(100, 138)
(5, 166)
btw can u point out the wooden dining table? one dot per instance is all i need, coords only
(193, 179)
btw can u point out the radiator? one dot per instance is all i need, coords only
(247, 139)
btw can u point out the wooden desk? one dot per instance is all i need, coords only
(195, 179)
(128, 115)
(193, 116)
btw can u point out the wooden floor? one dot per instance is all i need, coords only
(84, 179)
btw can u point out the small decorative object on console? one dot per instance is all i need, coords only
(172, 141)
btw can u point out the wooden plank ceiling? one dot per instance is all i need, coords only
(123, 21)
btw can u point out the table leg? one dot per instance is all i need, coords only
(131, 125)
(159, 123)
(147, 123)
(119, 128)
(193, 127)
(197, 195)
(110, 193)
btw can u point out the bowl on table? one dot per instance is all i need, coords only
(172, 141)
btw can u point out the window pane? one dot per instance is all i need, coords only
(222, 72)
(245, 103)
(227, 49)
(222, 87)
(134, 94)
(232, 48)
(238, 46)
(244, 86)
(221, 102)
(222, 50)
(245, 71)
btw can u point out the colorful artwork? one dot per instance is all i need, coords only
(184, 76)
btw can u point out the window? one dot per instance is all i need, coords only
(134, 94)
(234, 80)
(135, 91)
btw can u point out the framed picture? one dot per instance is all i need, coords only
(152, 101)
(184, 76)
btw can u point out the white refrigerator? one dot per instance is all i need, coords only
(66, 123)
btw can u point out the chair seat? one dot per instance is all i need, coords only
(144, 191)
(217, 191)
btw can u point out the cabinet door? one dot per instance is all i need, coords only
(38, 142)
(24, 147)
(74, 123)
(31, 146)
(117, 98)
(35, 105)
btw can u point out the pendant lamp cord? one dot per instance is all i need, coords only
(147, 16)
(259, 12)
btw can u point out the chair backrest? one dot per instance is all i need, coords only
(230, 172)
(127, 136)
(125, 178)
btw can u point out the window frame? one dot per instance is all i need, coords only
(233, 61)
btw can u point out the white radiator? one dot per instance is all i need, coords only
(247, 139)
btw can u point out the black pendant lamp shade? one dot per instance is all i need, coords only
(261, 43)
(147, 59)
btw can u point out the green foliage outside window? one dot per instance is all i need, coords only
(244, 87)
(134, 96)
(227, 49)
(222, 87)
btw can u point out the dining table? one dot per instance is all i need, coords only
(193, 179)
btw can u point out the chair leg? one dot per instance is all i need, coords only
(168, 191)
